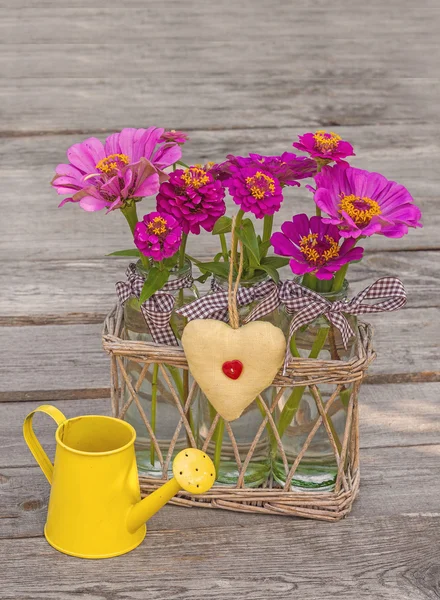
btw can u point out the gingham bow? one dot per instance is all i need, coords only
(308, 305)
(215, 306)
(158, 308)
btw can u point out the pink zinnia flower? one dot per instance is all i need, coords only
(129, 165)
(158, 235)
(363, 203)
(324, 145)
(286, 168)
(314, 246)
(194, 197)
(255, 190)
(174, 136)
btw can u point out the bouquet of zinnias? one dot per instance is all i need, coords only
(311, 307)
(135, 164)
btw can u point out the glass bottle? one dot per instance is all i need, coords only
(154, 394)
(317, 469)
(244, 428)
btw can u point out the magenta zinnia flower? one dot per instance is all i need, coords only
(255, 190)
(362, 203)
(286, 168)
(327, 146)
(314, 246)
(174, 136)
(129, 165)
(194, 197)
(158, 235)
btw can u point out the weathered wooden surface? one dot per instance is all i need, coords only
(49, 357)
(83, 291)
(391, 416)
(241, 77)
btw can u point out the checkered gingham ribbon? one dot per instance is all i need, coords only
(215, 305)
(158, 308)
(308, 305)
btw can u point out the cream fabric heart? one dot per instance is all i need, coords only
(208, 344)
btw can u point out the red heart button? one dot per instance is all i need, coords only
(232, 368)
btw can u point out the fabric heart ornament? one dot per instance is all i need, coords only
(233, 366)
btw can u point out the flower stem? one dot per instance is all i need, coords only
(267, 231)
(153, 408)
(323, 285)
(218, 438)
(309, 281)
(238, 221)
(130, 213)
(183, 249)
(292, 404)
(339, 278)
(224, 247)
(318, 170)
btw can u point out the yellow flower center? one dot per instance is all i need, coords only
(158, 226)
(195, 177)
(361, 210)
(111, 164)
(326, 141)
(318, 252)
(260, 184)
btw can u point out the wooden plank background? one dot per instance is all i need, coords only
(238, 77)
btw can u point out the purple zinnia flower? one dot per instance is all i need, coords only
(287, 167)
(314, 246)
(179, 137)
(129, 165)
(254, 190)
(324, 145)
(194, 197)
(158, 235)
(362, 203)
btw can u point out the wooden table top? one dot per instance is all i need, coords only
(239, 77)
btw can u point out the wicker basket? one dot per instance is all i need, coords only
(270, 499)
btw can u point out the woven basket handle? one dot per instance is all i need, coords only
(31, 439)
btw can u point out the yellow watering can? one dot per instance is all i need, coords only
(95, 507)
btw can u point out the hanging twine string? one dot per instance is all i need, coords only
(234, 318)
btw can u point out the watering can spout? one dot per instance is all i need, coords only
(193, 472)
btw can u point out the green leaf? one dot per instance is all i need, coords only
(171, 262)
(222, 225)
(271, 271)
(129, 252)
(218, 256)
(246, 233)
(218, 268)
(264, 246)
(203, 277)
(275, 261)
(155, 281)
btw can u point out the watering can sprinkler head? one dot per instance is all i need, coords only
(193, 472)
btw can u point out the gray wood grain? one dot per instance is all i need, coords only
(389, 489)
(391, 416)
(240, 77)
(313, 59)
(83, 291)
(52, 357)
(396, 558)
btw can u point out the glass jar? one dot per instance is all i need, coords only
(244, 428)
(154, 394)
(297, 412)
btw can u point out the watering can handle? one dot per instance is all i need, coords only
(32, 441)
